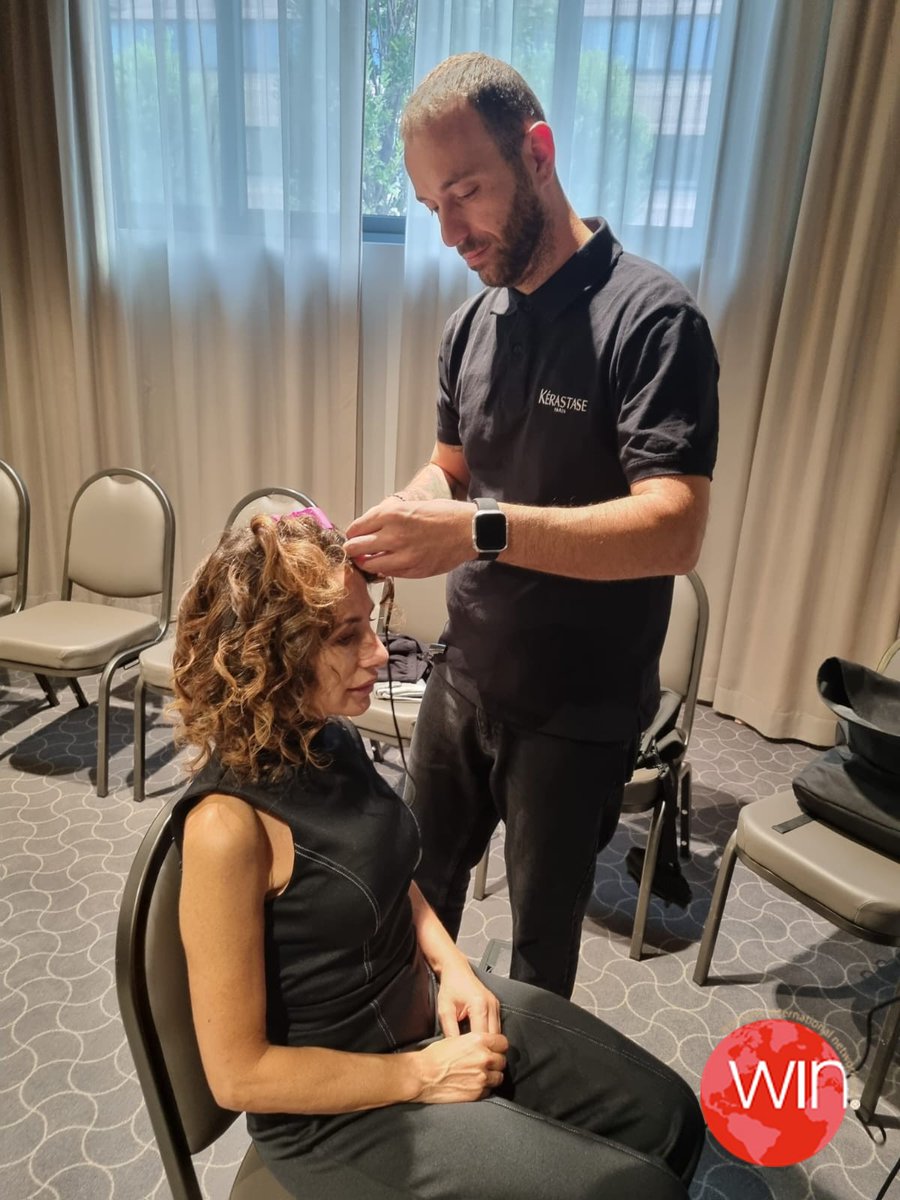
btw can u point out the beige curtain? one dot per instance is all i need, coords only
(46, 426)
(816, 543)
(217, 364)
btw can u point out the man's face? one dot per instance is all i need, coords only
(489, 210)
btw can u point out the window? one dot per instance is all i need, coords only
(390, 50)
(200, 106)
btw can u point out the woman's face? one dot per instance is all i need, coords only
(349, 661)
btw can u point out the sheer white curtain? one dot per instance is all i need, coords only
(211, 181)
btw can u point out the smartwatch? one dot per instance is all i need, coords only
(488, 529)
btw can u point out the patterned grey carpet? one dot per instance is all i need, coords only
(72, 1122)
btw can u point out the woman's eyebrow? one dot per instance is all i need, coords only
(348, 621)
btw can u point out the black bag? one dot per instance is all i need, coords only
(662, 749)
(856, 787)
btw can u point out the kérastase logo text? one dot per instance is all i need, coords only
(560, 403)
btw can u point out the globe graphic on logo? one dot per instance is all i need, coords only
(772, 1093)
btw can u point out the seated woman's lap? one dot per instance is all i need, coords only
(583, 1113)
(568, 1064)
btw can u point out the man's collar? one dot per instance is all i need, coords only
(586, 270)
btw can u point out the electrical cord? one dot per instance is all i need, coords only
(387, 611)
(869, 1038)
(892, 1175)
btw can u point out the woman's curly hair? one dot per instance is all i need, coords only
(251, 627)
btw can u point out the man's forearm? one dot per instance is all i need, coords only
(633, 537)
(432, 483)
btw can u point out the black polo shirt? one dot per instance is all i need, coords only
(603, 376)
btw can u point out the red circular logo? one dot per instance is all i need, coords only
(773, 1093)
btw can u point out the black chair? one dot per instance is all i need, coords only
(154, 1000)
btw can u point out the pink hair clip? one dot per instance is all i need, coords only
(315, 513)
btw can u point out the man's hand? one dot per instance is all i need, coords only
(412, 539)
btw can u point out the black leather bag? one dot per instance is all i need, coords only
(856, 787)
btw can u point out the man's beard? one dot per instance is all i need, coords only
(523, 242)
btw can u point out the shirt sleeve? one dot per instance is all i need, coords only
(447, 403)
(667, 383)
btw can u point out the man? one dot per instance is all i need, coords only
(569, 482)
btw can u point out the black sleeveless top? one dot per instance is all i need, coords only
(343, 967)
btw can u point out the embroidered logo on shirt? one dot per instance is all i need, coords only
(562, 404)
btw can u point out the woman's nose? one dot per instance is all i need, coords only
(377, 653)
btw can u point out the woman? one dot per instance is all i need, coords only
(329, 1002)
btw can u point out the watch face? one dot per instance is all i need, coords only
(490, 531)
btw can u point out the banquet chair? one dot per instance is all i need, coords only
(15, 536)
(120, 544)
(155, 663)
(15, 529)
(154, 1001)
(679, 673)
(849, 883)
(419, 611)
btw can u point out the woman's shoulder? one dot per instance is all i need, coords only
(225, 827)
(217, 804)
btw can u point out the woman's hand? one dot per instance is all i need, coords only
(462, 996)
(463, 1068)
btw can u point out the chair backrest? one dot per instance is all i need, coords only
(121, 539)
(267, 500)
(154, 1000)
(15, 527)
(682, 655)
(890, 661)
(420, 608)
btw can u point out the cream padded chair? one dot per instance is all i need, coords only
(679, 673)
(155, 664)
(120, 544)
(420, 611)
(15, 527)
(15, 536)
(848, 883)
(154, 1000)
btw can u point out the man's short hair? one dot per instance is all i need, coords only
(496, 91)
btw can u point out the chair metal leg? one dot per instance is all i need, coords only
(684, 807)
(716, 908)
(643, 905)
(103, 691)
(49, 690)
(140, 749)
(884, 1053)
(79, 694)
(479, 887)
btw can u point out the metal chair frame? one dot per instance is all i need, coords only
(23, 543)
(890, 1030)
(124, 657)
(185, 1121)
(656, 802)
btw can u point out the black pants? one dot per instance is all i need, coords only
(560, 800)
(583, 1114)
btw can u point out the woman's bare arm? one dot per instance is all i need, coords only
(227, 859)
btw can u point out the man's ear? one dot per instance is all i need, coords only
(539, 151)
